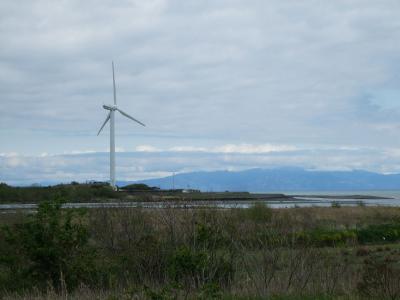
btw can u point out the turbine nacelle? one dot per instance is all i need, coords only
(110, 107)
(113, 108)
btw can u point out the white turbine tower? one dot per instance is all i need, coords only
(111, 117)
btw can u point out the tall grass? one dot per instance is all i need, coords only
(253, 253)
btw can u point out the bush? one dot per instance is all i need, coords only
(327, 238)
(383, 233)
(379, 233)
(259, 212)
(206, 262)
(50, 248)
(195, 269)
(139, 187)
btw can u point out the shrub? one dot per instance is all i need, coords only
(195, 269)
(259, 212)
(326, 238)
(186, 265)
(207, 261)
(208, 237)
(51, 247)
(379, 233)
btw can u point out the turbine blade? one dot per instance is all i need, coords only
(105, 122)
(130, 117)
(115, 93)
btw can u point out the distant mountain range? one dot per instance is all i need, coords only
(279, 179)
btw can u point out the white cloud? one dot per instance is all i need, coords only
(188, 149)
(252, 149)
(81, 151)
(19, 169)
(228, 148)
(9, 154)
(146, 148)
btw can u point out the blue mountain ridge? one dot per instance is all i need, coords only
(278, 179)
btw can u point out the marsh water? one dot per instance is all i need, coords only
(345, 198)
(296, 199)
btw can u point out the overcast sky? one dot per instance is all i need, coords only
(220, 85)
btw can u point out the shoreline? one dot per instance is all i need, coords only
(234, 201)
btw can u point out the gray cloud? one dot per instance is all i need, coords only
(200, 74)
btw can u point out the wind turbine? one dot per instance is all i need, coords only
(111, 117)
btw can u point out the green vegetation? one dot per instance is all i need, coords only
(140, 187)
(73, 192)
(371, 234)
(51, 247)
(100, 192)
(256, 253)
